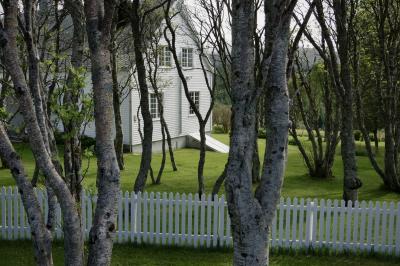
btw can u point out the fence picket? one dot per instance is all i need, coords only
(196, 220)
(209, 212)
(370, 225)
(398, 230)
(391, 225)
(3, 212)
(294, 223)
(287, 223)
(349, 209)
(9, 217)
(301, 224)
(280, 228)
(321, 223)
(362, 226)
(328, 223)
(221, 229)
(16, 213)
(202, 218)
(119, 218)
(126, 216)
(145, 217)
(164, 218)
(342, 223)
(189, 219)
(383, 227)
(158, 219)
(356, 212)
(177, 201)
(151, 217)
(170, 217)
(377, 225)
(139, 217)
(183, 219)
(335, 224)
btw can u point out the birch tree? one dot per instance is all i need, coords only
(252, 214)
(99, 16)
(72, 231)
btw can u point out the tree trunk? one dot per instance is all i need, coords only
(256, 158)
(99, 18)
(72, 145)
(72, 234)
(119, 137)
(147, 142)
(41, 237)
(202, 160)
(161, 170)
(251, 216)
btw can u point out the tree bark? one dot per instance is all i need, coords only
(119, 136)
(41, 236)
(251, 216)
(72, 145)
(351, 182)
(72, 234)
(147, 142)
(99, 16)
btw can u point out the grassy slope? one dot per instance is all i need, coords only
(297, 182)
(20, 253)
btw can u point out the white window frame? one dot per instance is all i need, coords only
(187, 55)
(195, 96)
(165, 57)
(154, 106)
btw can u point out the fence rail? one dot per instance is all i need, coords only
(180, 219)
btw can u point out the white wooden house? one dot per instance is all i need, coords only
(181, 120)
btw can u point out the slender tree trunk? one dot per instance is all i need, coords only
(41, 237)
(72, 234)
(162, 166)
(72, 145)
(119, 137)
(147, 142)
(99, 16)
(256, 158)
(202, 160)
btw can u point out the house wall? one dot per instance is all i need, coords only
(176, 105)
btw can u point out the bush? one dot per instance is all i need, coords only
(357, 135)
(222, 117)
(218, 129)
(87, 142)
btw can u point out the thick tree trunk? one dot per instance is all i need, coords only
(41, 237)
(99, 16)
(147, 142)
(351, 182)
(251, 217)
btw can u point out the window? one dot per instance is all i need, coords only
(187, 57)
(154, 106)
(195, 96)
(165, 57)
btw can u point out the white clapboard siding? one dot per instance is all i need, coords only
(190, 220)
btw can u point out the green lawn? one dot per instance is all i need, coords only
(20, 253)
(297, 182)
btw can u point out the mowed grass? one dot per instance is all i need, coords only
(297, 182)
(20, 253)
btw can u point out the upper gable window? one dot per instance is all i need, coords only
(165, 56)
(187, 57)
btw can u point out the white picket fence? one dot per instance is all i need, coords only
(174, 219)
